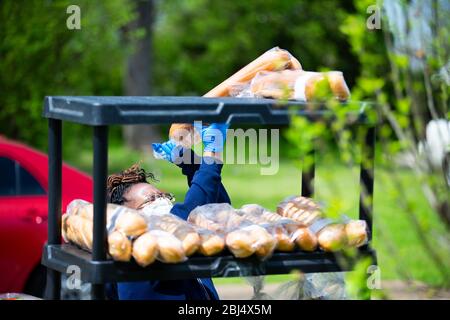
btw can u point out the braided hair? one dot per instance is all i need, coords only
(117, 184)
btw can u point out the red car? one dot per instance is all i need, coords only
(23, 213)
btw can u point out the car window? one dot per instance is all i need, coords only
(15, 180)
(27, 185)
(8, 177)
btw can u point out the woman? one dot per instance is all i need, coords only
(130, 188)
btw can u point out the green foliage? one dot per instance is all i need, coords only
(39, 56)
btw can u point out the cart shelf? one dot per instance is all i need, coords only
(60, 257)
(101, 112)
(96, 111)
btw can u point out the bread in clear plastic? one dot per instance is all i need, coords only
(170, 248)
(356, 233)
(242, 237)
(273, 222)
(145, 249)
(300, 209)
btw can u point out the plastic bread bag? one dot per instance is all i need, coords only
(300, 85)
(78, 230)
(278, 226)
(325, 286)
(331, 235)
(128, 221)
(211, 243)
(300, 209)
(356, 231)
(170, 248)
(182, 230)
(272, 60)
(123, 225)
(242, 237)
(145, 249)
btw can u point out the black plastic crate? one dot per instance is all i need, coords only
(100, 112)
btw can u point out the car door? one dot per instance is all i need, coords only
(23, 216)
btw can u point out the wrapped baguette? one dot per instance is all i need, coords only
(306, 239)
(300, 85)
(145, 249)
(273, 59)
(170, 248)
(332, 237)
(158, 217)
(119, 246)
(356, 232)
(300, 209)
(241, 236)
(78, 229)
(210, 242)
(130, 222)
(273, 222)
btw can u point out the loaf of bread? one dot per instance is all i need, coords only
(130, 222)
(119, 246)
(300, 85)
(356, 233)
(170, 248)
(306, 239)
(332, 237)
(272, 222)
(300, 209)
(145, 249)
(242, 237)
(186, 233)
(78, 230)
(241, 243)
(274, 59)
(211, 243)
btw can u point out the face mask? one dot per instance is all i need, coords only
(158, 207)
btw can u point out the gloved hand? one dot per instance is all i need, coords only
(213, 136)
(169, 151)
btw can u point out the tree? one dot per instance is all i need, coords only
(139, 69)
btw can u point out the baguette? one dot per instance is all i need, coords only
(145, 249)
(210, 243)
(119, 246)
(356, 232)
(332, 237)
(170, 248)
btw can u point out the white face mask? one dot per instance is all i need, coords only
(158, 207)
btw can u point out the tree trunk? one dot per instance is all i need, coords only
(138, 74)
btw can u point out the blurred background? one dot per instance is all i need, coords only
(394, 53)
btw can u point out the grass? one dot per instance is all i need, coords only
(336, 185)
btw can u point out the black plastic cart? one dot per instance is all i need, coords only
(101, 112)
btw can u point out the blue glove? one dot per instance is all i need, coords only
(169, 151)
(213, 136)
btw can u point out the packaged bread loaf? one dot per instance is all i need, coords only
(273, 59)
(299, 85)
(187, 234)
(273, 222)
(242, 237)
(78, 230)
(300, 209)
(356, 233)
(145, 249)
(211, 243)
(130, 222)
(330, 234)
(170, 248)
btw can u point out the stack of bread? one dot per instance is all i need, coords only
(250, 230)
(330, 235)
(275, 74)
(242, 237)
